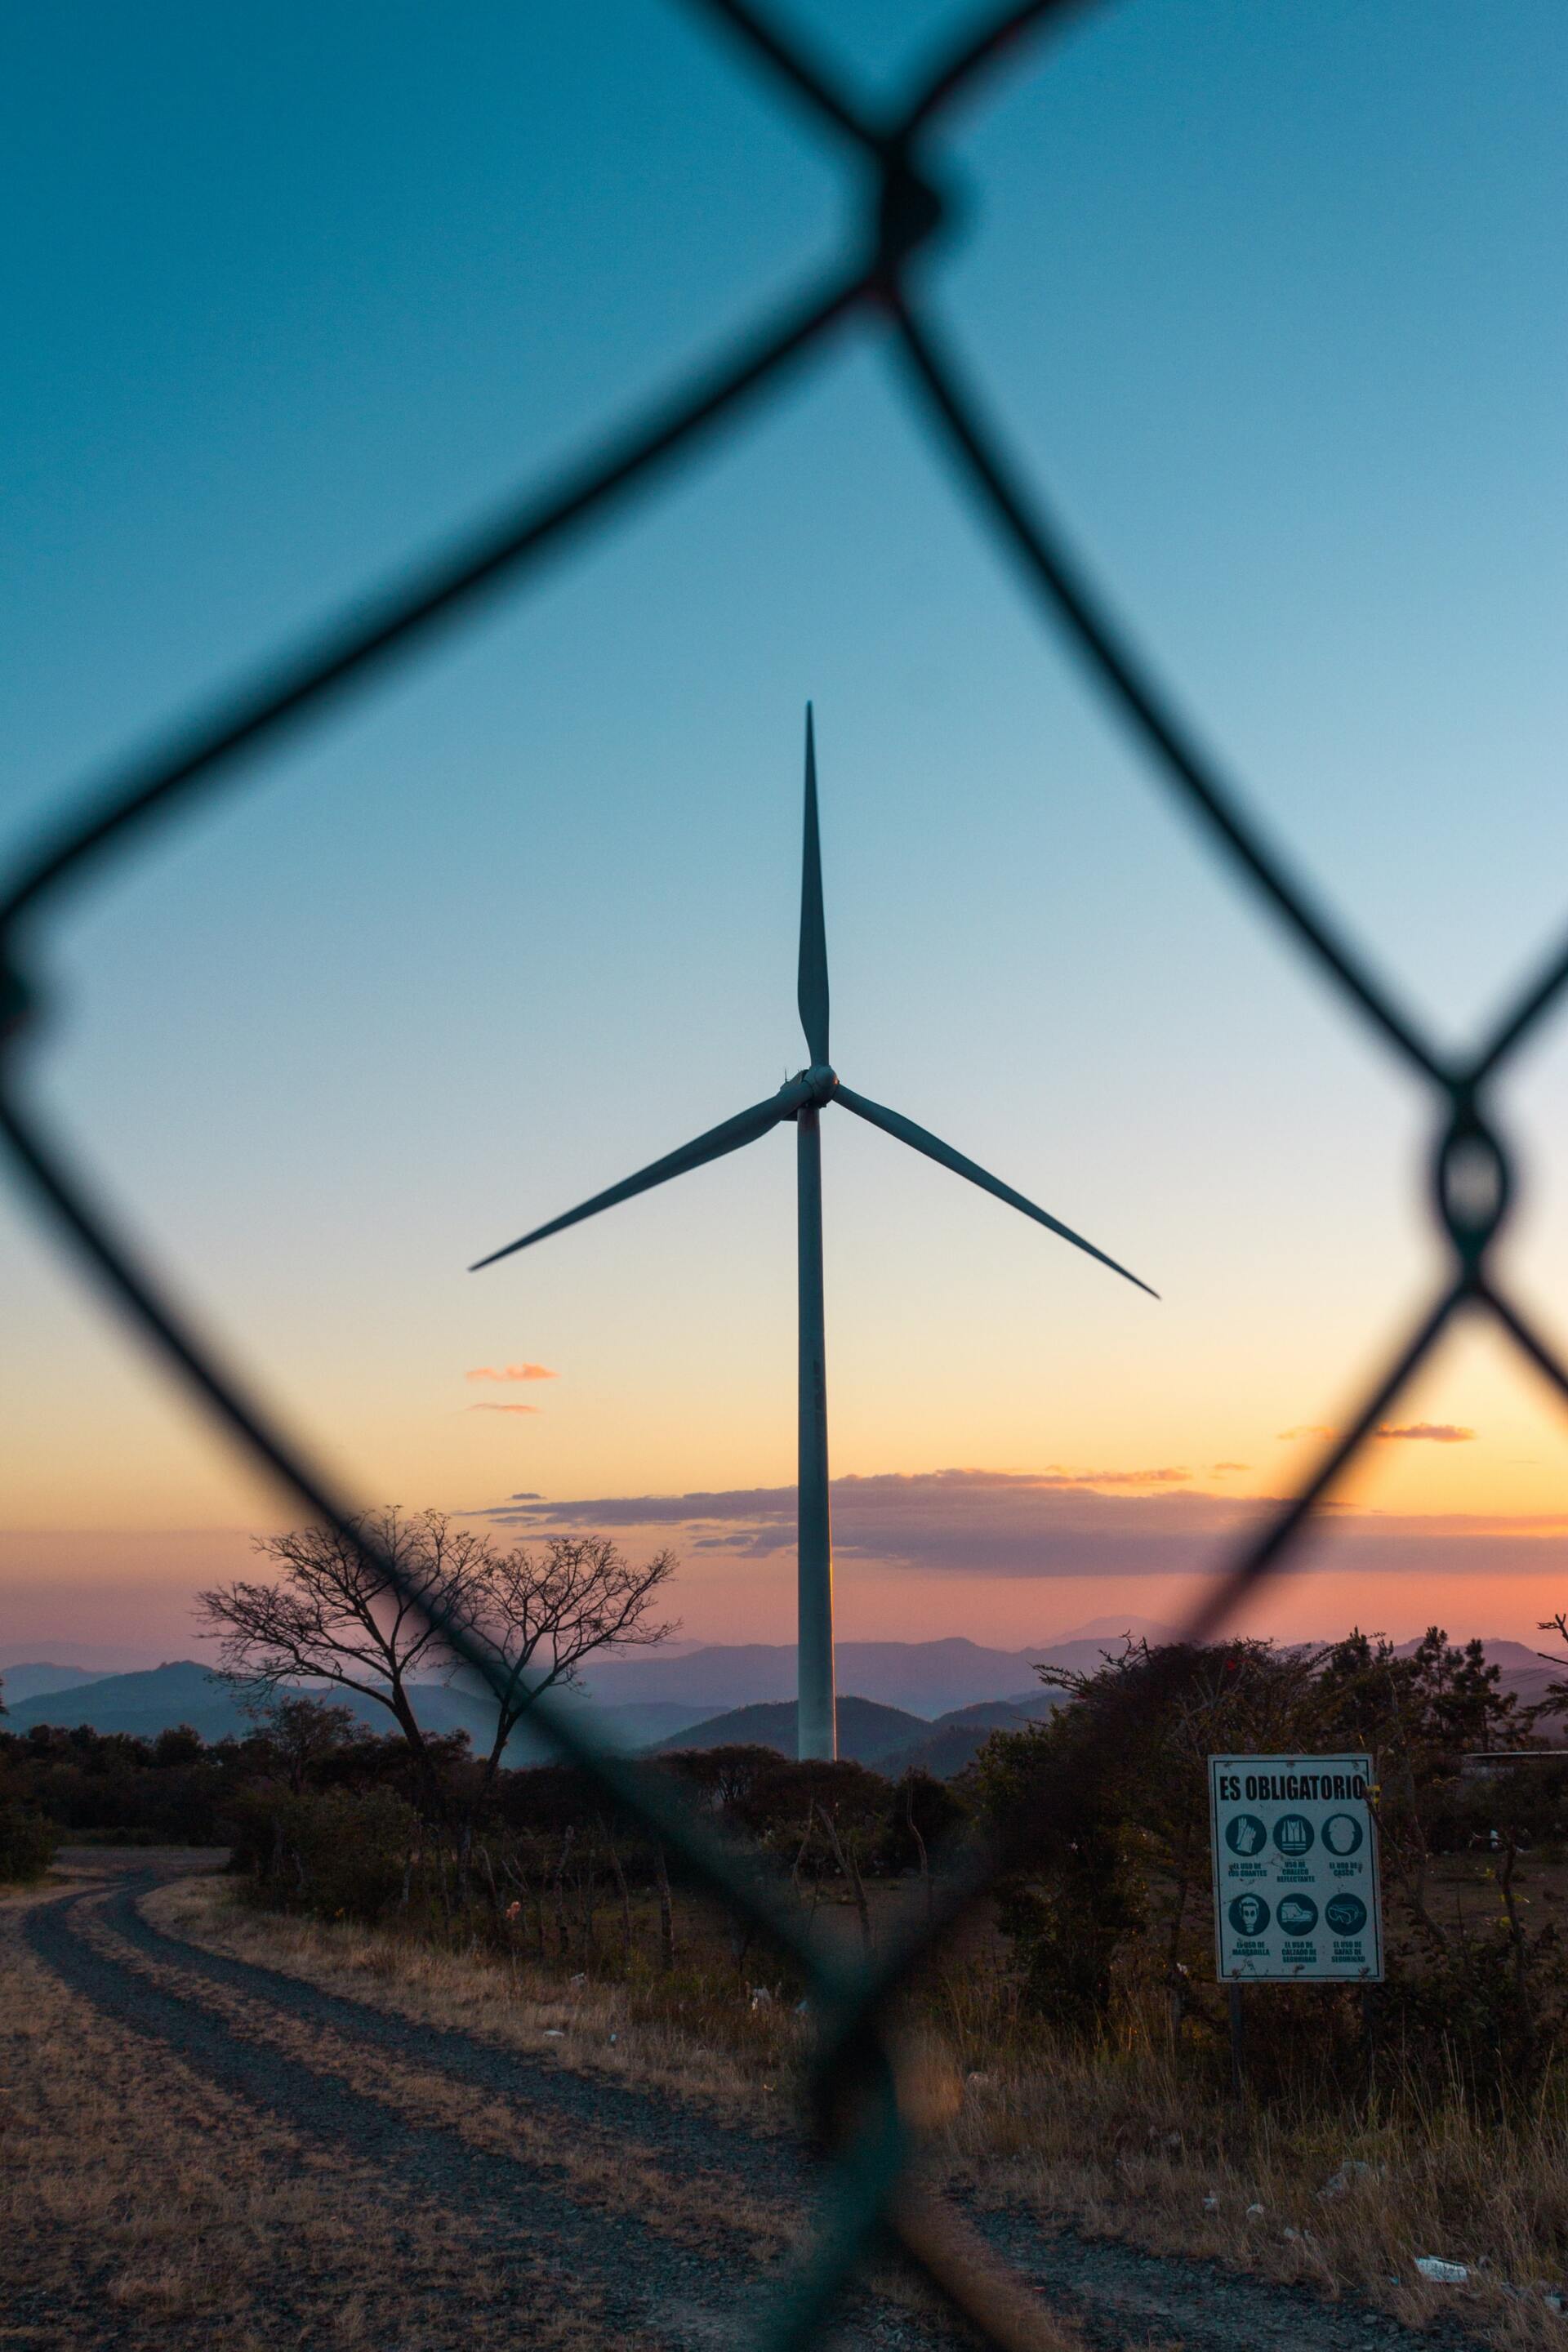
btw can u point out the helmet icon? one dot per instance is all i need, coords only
(1342, 1833)
(1292, 1833)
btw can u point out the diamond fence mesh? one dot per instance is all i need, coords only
(896, 212)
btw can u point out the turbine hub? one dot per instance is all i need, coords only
(822, 1080)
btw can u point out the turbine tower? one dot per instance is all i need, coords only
(803, 1099)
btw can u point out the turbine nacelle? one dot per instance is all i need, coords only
(812, 1089)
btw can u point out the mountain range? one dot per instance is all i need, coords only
(161, 1697)
(25, 1682)
(927, 1678)
(903, 1703)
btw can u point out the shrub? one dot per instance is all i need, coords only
(343, 1852)
(28, 1844)
(1102, 1816)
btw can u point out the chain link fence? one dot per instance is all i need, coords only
(896, 212)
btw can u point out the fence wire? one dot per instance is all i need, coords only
(896, 210)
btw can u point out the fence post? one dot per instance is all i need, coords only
(1237, 2079)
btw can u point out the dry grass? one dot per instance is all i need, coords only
(1119, 2138)
(602, 2168)
(694, 2034)
(1116, 2139)
(140, 2207)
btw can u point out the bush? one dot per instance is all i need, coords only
(340, 1854)
(1101, 1818)
(28, 1844)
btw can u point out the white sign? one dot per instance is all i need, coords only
(1296, 1889)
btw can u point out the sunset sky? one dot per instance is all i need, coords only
(1272, 303)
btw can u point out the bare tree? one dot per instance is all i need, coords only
(332, 1617)
(541, 1614)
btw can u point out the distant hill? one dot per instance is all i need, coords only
(933, 1689)
(925, 1678)
(951, 1748)
(954, 1742)
(21, 1682)
(887, 1737)
(143, 1704)
(1112, 1629)
(160, 1697)
(866, 1730)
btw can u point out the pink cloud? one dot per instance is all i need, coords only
(1044, 1524)
(1436, 1433)
(1121, 1478)
(488, 1407)
(510, 1372)
(1220, 1468)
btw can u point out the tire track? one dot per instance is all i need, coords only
(594, 2163)
(645, 2285)
(777, 2166)
(1119, 2295)
(1120, 2298)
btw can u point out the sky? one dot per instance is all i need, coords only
(1271, 304)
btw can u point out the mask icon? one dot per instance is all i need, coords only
(1249, 1914)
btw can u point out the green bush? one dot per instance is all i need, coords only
(28, 1844)
(340, 1854)
(1101, 1820)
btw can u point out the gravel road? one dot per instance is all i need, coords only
(665, 2222)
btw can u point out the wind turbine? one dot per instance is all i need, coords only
(803, 1099)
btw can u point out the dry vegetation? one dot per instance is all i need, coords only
(1114, 2138)
(661, 2030)
(140, 2206)
(600, 2168)
(142, 2203)
(1117, 2138)
(1065, 2059)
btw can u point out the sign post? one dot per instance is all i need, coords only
(1296, 1889)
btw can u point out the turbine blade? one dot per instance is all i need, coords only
(743, 1129)
(893, 1123)
(810, 992)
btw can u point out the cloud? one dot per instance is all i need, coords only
(512, 1372)
(1053, 1523)
(489, 1407)
(1436, 1433)
(1218, 1469)
(1305, 1429)
(1061, 1478)
(1050, 1522)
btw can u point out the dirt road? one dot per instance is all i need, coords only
(196, 2147)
